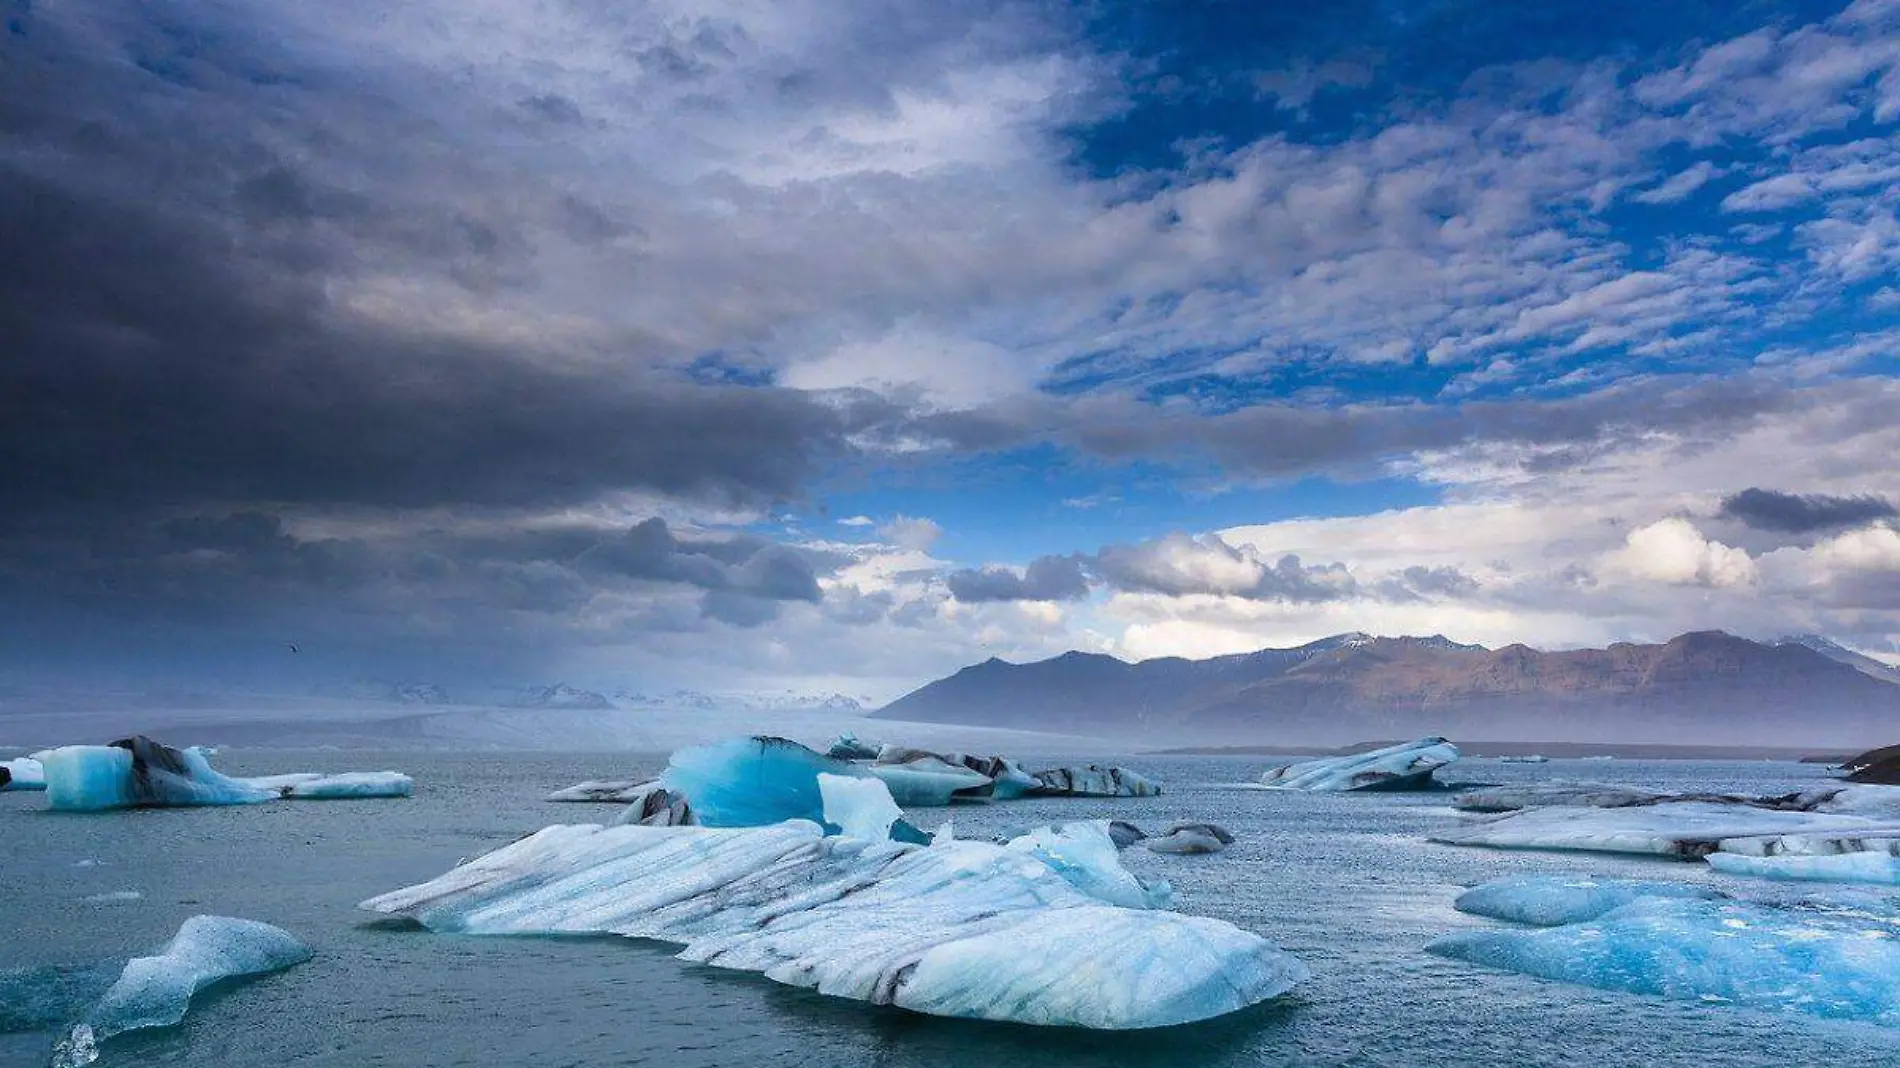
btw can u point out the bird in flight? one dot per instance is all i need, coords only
(292, 646)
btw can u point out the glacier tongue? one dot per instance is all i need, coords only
(156, 991)
(967, 929)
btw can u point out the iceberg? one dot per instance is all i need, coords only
(314, 786)
(1673, 829)
(604, 791)
(862, 808)
(928, 780)
(1124, 834)
(1554, 900)
(138, 772)
(847, 747)
(1398, 767)
(1754, 956)
(1515, 796)
(22, 773)
(1085, 855)
(1093, 781)
(155, 991)
(653, 805)
(753, 782)
(958, 928)
(1190, 838)
(1864, 866)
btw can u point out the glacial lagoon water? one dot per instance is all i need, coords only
(1344, 881)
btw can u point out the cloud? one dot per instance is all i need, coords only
(1679, 186)
(1046, 578)
(857, 521)
(1800, 513)
(911, 532)
(1673, 551)
(1182, 565)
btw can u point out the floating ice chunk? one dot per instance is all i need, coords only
(965, 929)
(754, 782)
(1514, 796)
(847, 747)
(1861, 867)
(1085, 855)
(1189, 838)
(113, 897)
(352, 784)
(1531, 758)
(1124, 833)
(1551, 900)
(1399, 767)
(1677, 828)
(140, 772)
(155, 991)
(653, 805)
(604, 791)
(861, 808)
(22, 773)
(928, 780)
(1755, 956)
(1094, 781)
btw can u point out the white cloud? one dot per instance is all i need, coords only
(1675, 552)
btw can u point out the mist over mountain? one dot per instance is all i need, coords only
(1700, 688)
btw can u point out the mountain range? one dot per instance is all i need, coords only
(1700, 688)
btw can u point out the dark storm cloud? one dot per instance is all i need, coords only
(1047, 578)
(1802, 513)
(738, 567)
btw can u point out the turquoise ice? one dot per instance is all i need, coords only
(1553, 900)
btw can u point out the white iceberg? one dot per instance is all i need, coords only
(155, 991)
(1085, 855)
(603, 791)
(22, 773)
(1189, 838)
(1672, 829)
(1514, 796)
(1093, 781)
(861, 808)
(1754, 956)
(1866, 866)
(1398, 767)
(351, 784)
(962, 929)
(1553, 900)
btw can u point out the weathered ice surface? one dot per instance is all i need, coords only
(1713, 952)
(348, 785)
(603, 791)
(1085, 855)
(928, 780)
(967, 929)
(1190, 838)
(861, 808)
(653, 805)
(1093, 781)
(1553, 900)
(1860, 800)
(847, 747)
(1676, 828)
(1398, 767)
(156, 991)
(1868, 866)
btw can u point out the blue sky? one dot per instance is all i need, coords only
(837, 344)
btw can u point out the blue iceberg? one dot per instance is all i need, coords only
(1862, 866)
(1398, 767)
(929, 780)
(138, 772)
(961, 929)
(753, 782)
(156, 991)
(1554, 900)
(348, 785)
(1755, 956)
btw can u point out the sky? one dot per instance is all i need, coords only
(835, 344)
